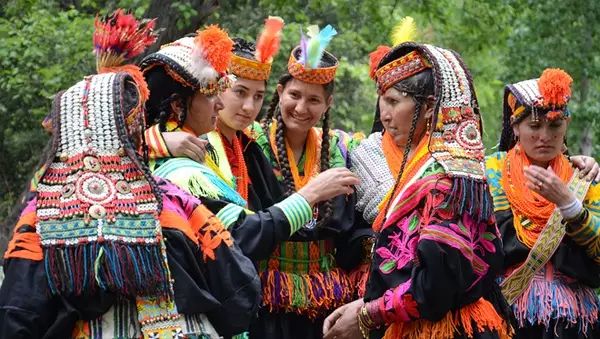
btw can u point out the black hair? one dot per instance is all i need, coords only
(274, 112)
(419, 86)
(165, 90)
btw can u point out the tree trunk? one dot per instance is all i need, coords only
(168, 15)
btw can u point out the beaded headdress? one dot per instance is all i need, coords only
(305, 59)
(267, 46)
(198, 62)
(97, 204)
(455, 133)
(547, 95)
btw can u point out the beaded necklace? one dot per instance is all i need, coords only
(239, 164)
(312, 150)
(531, 210)
(393, 156)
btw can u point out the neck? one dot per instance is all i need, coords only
(296, 140)
(226, 131)
(542, 164)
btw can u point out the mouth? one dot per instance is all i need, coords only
(244, 117)
(299, 118)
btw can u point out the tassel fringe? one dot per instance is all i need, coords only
(313, 294)
(130, 269)
(472, 197)
(474, 318)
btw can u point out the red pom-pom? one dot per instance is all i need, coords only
(555, 87)
(375, 57)
(216, 47)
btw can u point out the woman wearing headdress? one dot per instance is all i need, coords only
(438, 250)
(105, 250)
(236, 181)
(547, 215)
(303, 278)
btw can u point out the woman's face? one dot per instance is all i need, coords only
(543, 140)
(202, 113)
(302, 104)
(242, 103)
(396, 111)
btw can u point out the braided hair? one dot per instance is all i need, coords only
(419, 86)
(274, 112)
(164, 90)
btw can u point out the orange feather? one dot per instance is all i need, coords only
(269, 40)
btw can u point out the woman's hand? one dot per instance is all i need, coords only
(547, 184)
(343, 322)
(588, 166)
(182, 144)
(329, 184)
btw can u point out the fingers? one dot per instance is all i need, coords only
(330, 321)
(192, 155)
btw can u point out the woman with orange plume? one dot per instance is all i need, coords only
(547, 214)
(437, 251)
(104, 249)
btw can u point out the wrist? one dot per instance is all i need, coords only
(571, 210)
(309, 195)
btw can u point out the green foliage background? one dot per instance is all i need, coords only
(45, 46)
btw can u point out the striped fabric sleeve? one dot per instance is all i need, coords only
(297, 211)
(157, 148)
(230, 214)
(587, 232)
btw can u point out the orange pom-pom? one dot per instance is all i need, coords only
(269, 40)
(555, 87)
(216, 47)
(375, 57)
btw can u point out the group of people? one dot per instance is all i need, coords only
(163, 209)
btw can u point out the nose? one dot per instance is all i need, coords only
(218, 104)
(300, 106)
(544, 133)
(248, 105)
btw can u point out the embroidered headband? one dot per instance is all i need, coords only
(547, 95)
(267, 47)
(401, 68)
(305, 59)
(199, 62)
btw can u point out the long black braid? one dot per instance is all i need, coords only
(407, 149)
(327, 206)
(274, 112)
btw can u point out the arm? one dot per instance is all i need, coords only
(584, 229)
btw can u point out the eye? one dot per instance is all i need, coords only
(534, 126)
(315, 101)
(555, 125)
(259, 97)
(240, 92)
(391, 101)
(294, 95)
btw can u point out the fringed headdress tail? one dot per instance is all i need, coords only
(97, 205)
(306, 58)
(198, 62)
(267, 46)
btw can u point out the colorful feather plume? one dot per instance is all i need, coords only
(375, 58)
(555, 87)
(119, 37)
(313, 49)
(269, 40)
(405, 30)
(215, 46)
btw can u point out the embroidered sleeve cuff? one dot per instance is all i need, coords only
(297, 211)
(230, 214)
(156, 144)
